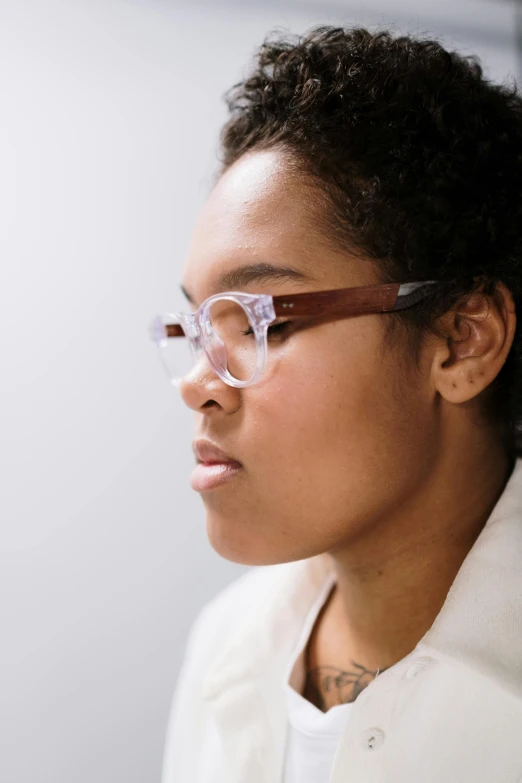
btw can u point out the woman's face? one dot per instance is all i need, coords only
(341, 429)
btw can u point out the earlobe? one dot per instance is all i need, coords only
(479, 333)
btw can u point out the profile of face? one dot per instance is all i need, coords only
(340, 430)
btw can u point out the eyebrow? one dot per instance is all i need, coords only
(261, 272)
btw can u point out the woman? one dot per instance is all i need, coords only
(357, 396)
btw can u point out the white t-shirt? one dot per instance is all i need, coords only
(313, 735)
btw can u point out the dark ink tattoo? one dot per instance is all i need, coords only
(327, 686)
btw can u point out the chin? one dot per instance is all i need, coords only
(237, 542)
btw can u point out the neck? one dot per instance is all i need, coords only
(392, 582)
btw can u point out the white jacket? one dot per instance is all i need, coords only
(449, 712)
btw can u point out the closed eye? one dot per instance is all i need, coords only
(273, 329)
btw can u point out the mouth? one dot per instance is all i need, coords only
(210, 453)
(211, 475)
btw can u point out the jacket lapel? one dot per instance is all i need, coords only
(243, 687)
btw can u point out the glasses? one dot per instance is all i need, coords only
(236, 330)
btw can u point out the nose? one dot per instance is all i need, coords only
(202, 385)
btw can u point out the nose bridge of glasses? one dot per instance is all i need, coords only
(199, 332)
(190, 326)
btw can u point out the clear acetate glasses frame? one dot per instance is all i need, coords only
(263, 309)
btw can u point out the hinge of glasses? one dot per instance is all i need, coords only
(265, 309)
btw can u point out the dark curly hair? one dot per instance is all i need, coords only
(420, 157)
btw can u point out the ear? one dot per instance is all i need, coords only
(479, 331)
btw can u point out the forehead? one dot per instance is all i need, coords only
(259, 211)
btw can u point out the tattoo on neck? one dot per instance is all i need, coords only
(327, 686)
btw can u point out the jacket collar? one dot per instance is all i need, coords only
(276, 613)
(479, 624)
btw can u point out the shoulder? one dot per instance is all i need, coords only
(214, 624)
(209, 632)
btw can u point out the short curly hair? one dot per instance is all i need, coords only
(420, 157)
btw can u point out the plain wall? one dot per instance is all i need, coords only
(110, 113)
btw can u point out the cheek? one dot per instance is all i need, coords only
(336, 416)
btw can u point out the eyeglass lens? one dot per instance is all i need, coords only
(228, 337)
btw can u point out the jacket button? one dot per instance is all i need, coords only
(418, 666)
(372, 738)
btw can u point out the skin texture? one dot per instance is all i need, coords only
(347, 447)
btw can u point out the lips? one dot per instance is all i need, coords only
(210, 454)
(205, 477)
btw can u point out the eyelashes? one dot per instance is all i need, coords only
(274, 329)
(278, 328)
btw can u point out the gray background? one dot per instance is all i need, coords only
(110, 112)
